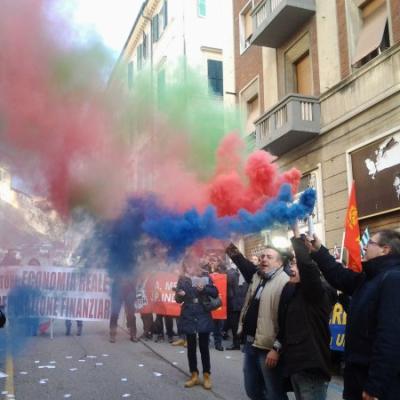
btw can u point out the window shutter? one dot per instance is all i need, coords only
(155, 30)
(165, 11)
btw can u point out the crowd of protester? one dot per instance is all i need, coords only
(278, 310)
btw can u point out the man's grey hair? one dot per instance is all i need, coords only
(390, 238)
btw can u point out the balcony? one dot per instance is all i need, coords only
(292, 122)
(274, 21)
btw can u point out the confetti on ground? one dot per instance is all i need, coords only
(228, 357)
(99, 364)
(73, 369)
(37, 362)
(43, 381)
(157, 374)
(140, 365)
(91, 356)
(67, 395)
(126, 395)
(23, 373)
(68, 356)
(53, 362)
(124, 379)
(81, 360)
(4, 392)
(46, 366)
(174, 363)
(10, 396)
(3, 375)
(182, 351)
(105, 355)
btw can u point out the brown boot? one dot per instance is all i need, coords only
(207, 384)
(193, 381)
(113, 334)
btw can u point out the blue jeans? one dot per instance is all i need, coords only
(261, 382)
(309, 386)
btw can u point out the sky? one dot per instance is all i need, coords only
(111, 19)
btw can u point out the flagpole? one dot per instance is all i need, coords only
(342, 248)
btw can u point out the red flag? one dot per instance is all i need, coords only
(352, 233)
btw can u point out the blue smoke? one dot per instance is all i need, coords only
(117, 243)
(179, 231)
(22, 317)
(114, 244)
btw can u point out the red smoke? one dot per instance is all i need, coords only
(234, 188)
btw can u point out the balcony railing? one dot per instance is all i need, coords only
(295, 120)
(274, 21)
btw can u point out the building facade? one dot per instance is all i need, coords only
(328, 82)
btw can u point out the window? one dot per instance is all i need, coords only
(252, 113)
(164, 12)
(130, 75)
(155, 33)
(249, 99)
(215, 77)
(298, 68)
(303, 75)
(201, 8)
(144, 46)
(139, 55)
(245, 26)
(374, 33)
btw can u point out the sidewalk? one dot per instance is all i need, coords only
(226, 368)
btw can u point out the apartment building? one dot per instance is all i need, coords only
(165, 33)
(327, 101)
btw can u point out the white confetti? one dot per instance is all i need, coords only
(182, 351)
(91, 356)
(124, 379)
(43, 381)
(81, 360)
(140, 365)
(46, 366)
(10, 396)
(52, 362)
(99, 364)
(126, 395)
(174, 363)
(23, 373)
(105, 355)
(67, 395)
(73, 369)
(68, 357)
(3, 375)
(4, 392)
(228, 357)
(37, 362)
(157, 374)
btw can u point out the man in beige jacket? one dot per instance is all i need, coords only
(259, 323)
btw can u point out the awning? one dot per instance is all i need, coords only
(371, 33)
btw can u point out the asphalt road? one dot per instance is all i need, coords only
(90, 368)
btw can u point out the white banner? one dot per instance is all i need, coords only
(58, 292)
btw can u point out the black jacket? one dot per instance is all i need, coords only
(373, 323)
(236, 293)
(194, 318)
(304, 312)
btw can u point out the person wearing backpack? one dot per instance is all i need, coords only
(194, 288)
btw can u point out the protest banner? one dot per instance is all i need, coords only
(58, 292)
(337, 325)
